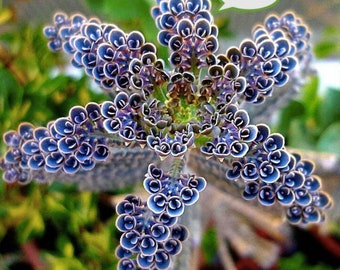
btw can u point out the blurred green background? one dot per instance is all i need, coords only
(70, 230)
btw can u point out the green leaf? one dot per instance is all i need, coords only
(11, 97)
(55, 209)
(298, 261)
(329, 44)
(98, 242)
(128, 12)
(65, 246)
(61, 187)
(309, 96)
(31, 227)
(299, 135)
(329, 109)
(56, 263)
(210, 244)
(3, 212)
(325, 48)
(294, 110)
(330, 139)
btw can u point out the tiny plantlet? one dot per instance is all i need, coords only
(158, 113)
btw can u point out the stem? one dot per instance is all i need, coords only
(8, 61)
(189, 258)
(177, 167)
(160, 93)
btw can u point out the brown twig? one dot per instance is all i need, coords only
(31, 254)
(8, 62)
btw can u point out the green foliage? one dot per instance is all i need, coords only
(329, 44)
(312, 121)
(329, 110)
(133, 15)
(64, 223)
(298, 261)
(129, 15)
(32, 84)
(329, 140)
(209, 245)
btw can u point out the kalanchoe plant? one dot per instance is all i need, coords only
(154, 117)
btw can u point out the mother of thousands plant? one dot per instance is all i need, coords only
(155, 116)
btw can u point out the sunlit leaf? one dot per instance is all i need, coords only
(330, 139)
(329, 109)
(32, 226)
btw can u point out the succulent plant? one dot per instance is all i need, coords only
(155, 117)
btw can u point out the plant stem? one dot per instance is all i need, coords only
(177, 167)
(8, 61)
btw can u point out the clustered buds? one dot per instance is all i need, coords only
(271, 175)
(105, 52)
(151, 235)
(187, 29)
(233, 134)
(166, 145)
(273, 53)
(120, 118)
(65, 144)
(223, 82)
(171, 194)
(15, 162)
(149, 240)
(62, 29)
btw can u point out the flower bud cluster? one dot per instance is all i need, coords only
(272, 175)
(78, 141)
(168, 145)
(65, 143)
(14, 163)
(310, 201)
(187, 29)
(149, 240)
(105, 52)
(223, 82)
(294, 30)
(171, 194)
(182, 85)
(62, 29)
(273, 54)
(120, 118)
(233, 134)
(155, 114)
